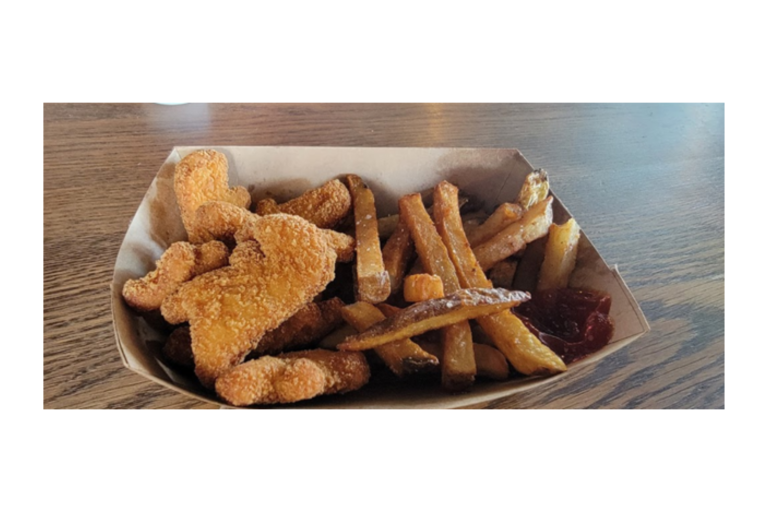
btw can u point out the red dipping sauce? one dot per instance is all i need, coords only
(573, 323)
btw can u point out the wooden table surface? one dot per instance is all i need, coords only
(646, 183)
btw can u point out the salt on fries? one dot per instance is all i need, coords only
(260, 323)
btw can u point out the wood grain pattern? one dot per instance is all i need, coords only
(646, 182)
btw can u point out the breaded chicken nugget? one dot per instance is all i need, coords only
(292, 377)
(278, 266)
(310, 324)
(217, 220)
(200, 177)
(179, 263)
(324, 206)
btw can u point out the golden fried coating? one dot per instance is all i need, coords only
(310, 324)
(280, 263)
(178, 348)
(324, 206)
(218, 220)
(292, 377)
(179, 263)
(343, 244)
(200, 177)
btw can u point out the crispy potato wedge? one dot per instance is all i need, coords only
(307, 326)
(324, 206)
(458, 368)
(559, 255)
(534, 224)
(535, 188)
(372, 278)
(435, 314)
(420, 287)
(523, 350)
(491, 363)
(402, 356)
(397, 254)
(503, 216)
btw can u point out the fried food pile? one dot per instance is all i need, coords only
(318, 295)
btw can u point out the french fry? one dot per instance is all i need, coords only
(491, 363)
(559, 256)
(435, 314)
(458, 359)
(371, 277)
(388, 223)
(527, 272)
(403, 356)
(337, 337)
(308, 325)
(503, 216)
(522, 349)
(396, 254)
(419, 287)
(534, 224)
(502, 273)
(324, 206)
(535, 188)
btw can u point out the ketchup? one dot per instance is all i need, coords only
(572, 322)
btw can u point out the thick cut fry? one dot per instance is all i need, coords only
(397, 253)
(200, 177)
(403, 356)
(458, 368)
(179, 263)
(419, 287)
(388, 224)
(527, 273)
(310, 324)
(503, 216)
(523, 350)
(337, 337)
(324, 206)
(559, 256)
(502, 273)
(292, 377)
(435, 314)
(534, 224)
(371, 277)
(491, 363)
(535, 188)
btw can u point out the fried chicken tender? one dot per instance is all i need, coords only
(324, 206)
(179, 263)
(280, 264)
(200, 177)
(217, 220)
(293, 376)
(310, 324)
